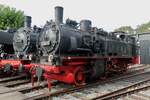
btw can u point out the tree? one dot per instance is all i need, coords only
(143, 28)
(10, 17)
(127, 29)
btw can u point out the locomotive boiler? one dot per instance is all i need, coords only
(25, 39)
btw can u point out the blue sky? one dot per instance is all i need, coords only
(107, 14)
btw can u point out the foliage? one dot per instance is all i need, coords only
(10, 17)
(127, 29)
(143, 28)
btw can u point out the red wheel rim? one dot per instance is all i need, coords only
(79, 77)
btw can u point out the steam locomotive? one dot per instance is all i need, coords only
(71, 52)
(25, 40)
(76, 54)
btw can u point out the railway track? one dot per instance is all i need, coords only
(136, 87)
(41, 90)
(12, 78)
(81, 88)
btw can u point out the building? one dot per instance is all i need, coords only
(144, 42)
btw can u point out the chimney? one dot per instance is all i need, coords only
(27, 21)
(58, 14)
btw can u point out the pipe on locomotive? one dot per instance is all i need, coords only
(27, 21)
(59, 15)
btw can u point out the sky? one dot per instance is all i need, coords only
(106, 14)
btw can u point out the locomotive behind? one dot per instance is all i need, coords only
(25, 39)
(6, 45)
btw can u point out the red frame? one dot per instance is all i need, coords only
(68, 71)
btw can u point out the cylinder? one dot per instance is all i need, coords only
(27, 21)
(85, 25)
(58, 14)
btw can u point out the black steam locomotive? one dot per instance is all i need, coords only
(59, 39)
(25, 40)
(96, 50)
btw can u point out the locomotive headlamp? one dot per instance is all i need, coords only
(118, 36)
